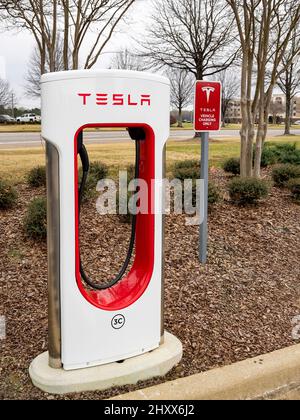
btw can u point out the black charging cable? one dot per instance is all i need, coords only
(84, 157)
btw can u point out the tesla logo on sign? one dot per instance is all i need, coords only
(208, 91)
(208, 106)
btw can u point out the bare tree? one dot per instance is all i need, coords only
(40, 17)
(289, 80)
(33, 75)
(230, 88)
(197, 36)
(182, 89)
(265, 29)
(84, 15)
(124, 60)
(72, 20)
(5, 94)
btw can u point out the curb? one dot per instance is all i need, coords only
(258, 378)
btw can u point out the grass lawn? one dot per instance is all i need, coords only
(20, 128)
(14, 164)
(36, 128)
(190, 126)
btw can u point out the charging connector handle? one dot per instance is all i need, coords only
(84, 157)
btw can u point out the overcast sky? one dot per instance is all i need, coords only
(16, 49)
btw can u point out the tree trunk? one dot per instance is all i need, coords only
(42, 43)
(245, 121)
(224, 111)
(287, 129)
(249, 155)
(244, 136)
(52, 64)
(259, 138)
(43, 60)
(180, 125)
(251, 132)
(51, 43)
(258, 152)
(260, 132)
(66, 35)
(199, 75)
(75, 60)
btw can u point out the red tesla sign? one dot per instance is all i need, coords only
(208, 106)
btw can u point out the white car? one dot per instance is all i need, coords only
(28, 118)
(297, 122)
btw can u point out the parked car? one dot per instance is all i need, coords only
(28, 118)
(7, 119)
(297, 122)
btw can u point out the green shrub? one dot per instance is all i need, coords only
(187, 163)
(127, 218)
(284, 173)
(90, 186)
(294, 187)
(284, 147)
(8, 195)
(124, 218)
(35, 221)
(273, 153)
(213, 194)
(130, 173)
(37, 177)
(247, 190)
(98, 170)
(291, 157)
(269, 156)
(187, 169)
(190, 169)
(232, 166)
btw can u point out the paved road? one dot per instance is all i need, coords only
(19, 140)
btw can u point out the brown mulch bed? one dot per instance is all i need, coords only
(239, 305)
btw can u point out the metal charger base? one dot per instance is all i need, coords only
(154, 364)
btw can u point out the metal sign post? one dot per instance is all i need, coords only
(204, 176)
(207, 118)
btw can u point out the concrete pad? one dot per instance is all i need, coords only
(272, 376)
(58, 381)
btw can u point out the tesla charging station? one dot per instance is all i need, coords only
(91, 325)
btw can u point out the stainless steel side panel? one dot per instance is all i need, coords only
(163, 252)
(53, 223)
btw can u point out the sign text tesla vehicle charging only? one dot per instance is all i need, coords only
(208, 100)
(92, 324)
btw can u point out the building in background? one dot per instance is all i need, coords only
(277, 110)
(234, 112)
